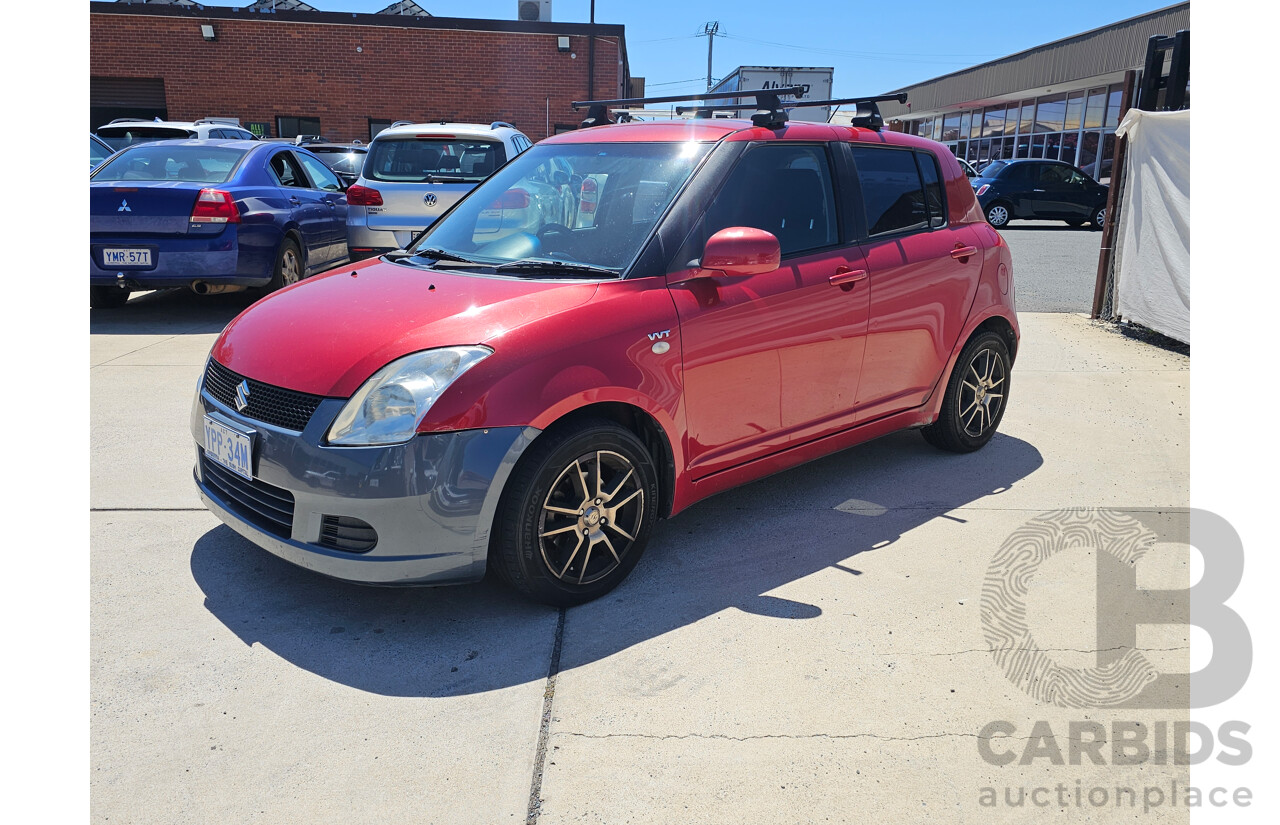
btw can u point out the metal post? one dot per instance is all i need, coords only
(591, 54)
(1106, 253)
(710, 30)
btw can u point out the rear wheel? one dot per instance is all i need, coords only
(576, 514)
(107, 297)
(977, 393)
(1099, 217)
(288, 269)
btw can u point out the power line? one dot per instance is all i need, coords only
(886, 57)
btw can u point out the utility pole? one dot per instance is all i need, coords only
(709, 31)
(591, 54)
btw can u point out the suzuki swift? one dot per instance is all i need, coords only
(724, 300)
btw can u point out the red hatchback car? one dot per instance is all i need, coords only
(730, 300)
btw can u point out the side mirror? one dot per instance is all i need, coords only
(739, 251)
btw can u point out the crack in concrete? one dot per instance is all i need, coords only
(1038, 650)
(877, 736)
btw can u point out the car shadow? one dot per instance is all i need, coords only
(727, 552)
(1045, 227)
(170, 312)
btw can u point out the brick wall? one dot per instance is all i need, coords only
(259, 69)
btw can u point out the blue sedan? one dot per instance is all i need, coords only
(212, 215)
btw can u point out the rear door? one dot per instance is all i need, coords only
(771, 359)
(421, 176)
(306, 205)
(921, 284)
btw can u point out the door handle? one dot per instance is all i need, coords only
(844, 275)
(294, 200)
(330, 204)
(962, 252)
(1037, 190)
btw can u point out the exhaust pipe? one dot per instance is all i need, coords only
(206, 288)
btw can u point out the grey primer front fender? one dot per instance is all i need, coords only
(431, 500)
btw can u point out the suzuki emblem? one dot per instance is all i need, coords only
(124, 206)
(242, 396)
(429, 199)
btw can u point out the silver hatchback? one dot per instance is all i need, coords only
(414, 172)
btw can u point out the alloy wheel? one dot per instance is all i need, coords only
(998, 216)
(591, 517)
(981, 393)
(290, 268)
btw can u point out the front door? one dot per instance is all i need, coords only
(772, 359)
(306, 208)
(330, 188)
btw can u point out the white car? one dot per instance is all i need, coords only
(127, 131)
(414, 172)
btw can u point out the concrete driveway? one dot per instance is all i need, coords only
(804, 649)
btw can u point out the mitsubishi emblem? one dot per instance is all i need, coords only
(124, 206)
(242, 396)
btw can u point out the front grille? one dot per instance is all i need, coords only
(269, 508)
(276, 406)
(346, 533)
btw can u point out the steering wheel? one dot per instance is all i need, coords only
(550, 233)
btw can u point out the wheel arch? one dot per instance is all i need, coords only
(641, 424)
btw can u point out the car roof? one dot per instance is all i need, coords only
(437, 128)
(734, 129)
(353, 147)
(232, 144)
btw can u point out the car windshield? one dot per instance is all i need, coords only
(991, 168)
(118, 137)
(160, 161)
(565, 207)
(426, 158)
(341, 160)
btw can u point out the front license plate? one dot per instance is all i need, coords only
(229, 448)
(126, 257)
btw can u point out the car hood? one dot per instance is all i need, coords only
(328, 334)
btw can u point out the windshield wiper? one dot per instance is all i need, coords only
(434, 177)
(442, 255)
(554, 268)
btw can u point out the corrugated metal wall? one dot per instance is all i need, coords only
(1112, 48)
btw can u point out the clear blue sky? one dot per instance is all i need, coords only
(873, 46)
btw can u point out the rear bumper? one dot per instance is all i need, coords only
(224, 258)
(430, 501)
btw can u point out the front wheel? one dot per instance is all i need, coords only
(1099, 218)
(107, 297)
(977, 393)
(576, 514)
(998, 214)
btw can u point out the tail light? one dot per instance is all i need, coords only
(983, 188)
(512, 199)
(359, 195)
(214, 206)
(588, 195)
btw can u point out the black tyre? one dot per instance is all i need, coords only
(107, 297)
(1099, 217)
(576, 513)
(999, 214)
(976, 396)
(289, 268)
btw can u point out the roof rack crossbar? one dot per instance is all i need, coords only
(769, 113)
(867, 115)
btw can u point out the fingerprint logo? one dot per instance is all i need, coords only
(1004, 608)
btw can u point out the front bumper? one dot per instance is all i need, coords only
(431, 501)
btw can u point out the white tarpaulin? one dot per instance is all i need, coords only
(1153, 281)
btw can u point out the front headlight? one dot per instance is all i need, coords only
(388, 407)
